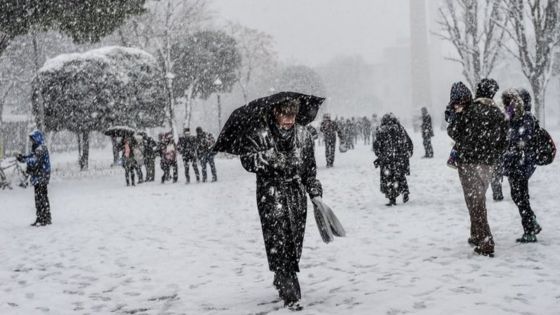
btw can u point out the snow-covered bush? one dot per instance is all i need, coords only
(91, 91)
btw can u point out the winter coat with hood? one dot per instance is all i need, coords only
(393, 148)
(284, 162)
(38, 161)
(480, 132)
(519, 160)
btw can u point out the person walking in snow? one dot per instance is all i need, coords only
(284, 162)
(393, 149)
(168, 154)
(329, 129)
(39, 167)
(427, 133)
(479, 131)
(150, 148)
(130, 165)
(187, 147)
(366, 130)
(374, 126)
(138, 149)
(205, 141)
(520, 160)
(485, 92)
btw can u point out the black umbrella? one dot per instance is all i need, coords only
(256, 114)
(119, 131)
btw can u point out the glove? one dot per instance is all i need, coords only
(19, 158)
(272, 159)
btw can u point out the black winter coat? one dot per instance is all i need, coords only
(393, 148)
(329, 129)
(480, 133)
(187, 146)
(427, 130)
(286, 171)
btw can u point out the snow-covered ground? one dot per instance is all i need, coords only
(198, 248)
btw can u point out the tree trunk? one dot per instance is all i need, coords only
(188, 106)
(40, 119)
(79, 146)
(84, 156)
(115, 146)
(219, 112)
(538, 99)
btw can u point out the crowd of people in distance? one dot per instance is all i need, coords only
(139, 151)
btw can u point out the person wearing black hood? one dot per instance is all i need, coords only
(39, 167)
(187, 147)
(393, 149)
(519, 160)
(485, 91)
(479, 130)
(284, 161)
(205, 141)
(427, 133)
(459, 98)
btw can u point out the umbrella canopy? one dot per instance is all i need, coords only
(119, 131)
(256, 114)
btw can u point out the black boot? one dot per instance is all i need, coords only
(405, 197)
(473, 242)
(392, 202)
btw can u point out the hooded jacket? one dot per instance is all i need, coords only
(519, 160)
(38, 161)
(480, 133)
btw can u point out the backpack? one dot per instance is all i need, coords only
(543, 146)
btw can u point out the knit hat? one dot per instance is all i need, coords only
(526, 97)
(459, 94)
(487, 88)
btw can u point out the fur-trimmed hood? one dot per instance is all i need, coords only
(513, 104)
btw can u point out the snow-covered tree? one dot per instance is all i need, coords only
(301, 79)
(473, 28)
(84, 21)
(165, 23)
(91, 91)
(257, 54)
(535, 32)
(200, 60)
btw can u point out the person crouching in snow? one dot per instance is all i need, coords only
(39, 167)
(393, 149)
(286, 171)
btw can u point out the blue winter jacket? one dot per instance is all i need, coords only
(519, 160)
(38, 161)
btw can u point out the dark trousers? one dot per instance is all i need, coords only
(475, 179)
(186, 162)
(208, 158)
(150, 169)
(429, 150)
(367, 137)
(520, 194)
(166, 167)
(330, 149)
(496, 184)
(42, 204)
(130, 168)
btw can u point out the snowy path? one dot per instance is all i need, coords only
(198, 249)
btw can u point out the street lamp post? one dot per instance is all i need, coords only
(218, 85)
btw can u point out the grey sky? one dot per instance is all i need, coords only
(313, 31)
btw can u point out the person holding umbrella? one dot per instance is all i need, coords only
(270, 136)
